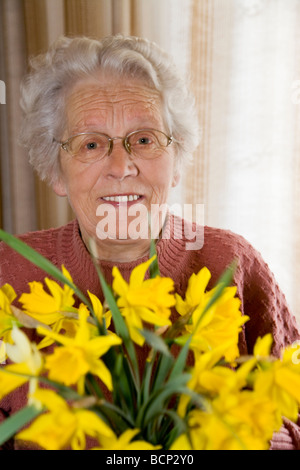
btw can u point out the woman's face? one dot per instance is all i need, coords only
(106, 194)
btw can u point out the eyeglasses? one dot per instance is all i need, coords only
(89, 147)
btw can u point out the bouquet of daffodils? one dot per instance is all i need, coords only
(85, 382)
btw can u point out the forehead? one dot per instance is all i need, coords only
(103, 100)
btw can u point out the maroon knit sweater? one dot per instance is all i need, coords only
(261, 298)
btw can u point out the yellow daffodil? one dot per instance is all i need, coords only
(27, 362)
(280, 381)
(7, 319)
(63, 425)
(182, 443)
(221, 324)
(2, 352)
(125, 442)
(69, 322)
(262, 347)
(229, 402)
(234, 421)
(7, 296)
(143, 300)
(211, 379)
(195, 292)
(68, 326)
(47, 307)
(99, 310)
(79, 355)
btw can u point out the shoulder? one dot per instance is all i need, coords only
(188, 247)
(17, 270)
(217, 249)
(261, 297)
(210, 245)
(229, 246)
(43, 241)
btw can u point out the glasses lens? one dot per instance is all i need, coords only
(88, 147)
(147, 143)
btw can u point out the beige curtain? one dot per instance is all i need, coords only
(28, 27)
(17, 182)
(246, 76)
(242, 58)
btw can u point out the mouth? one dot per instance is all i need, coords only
(122, 198)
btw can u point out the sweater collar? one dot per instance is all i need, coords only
(76, 257)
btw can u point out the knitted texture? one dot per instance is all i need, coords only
(261, 298)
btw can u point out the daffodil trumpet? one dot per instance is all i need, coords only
(84, 380)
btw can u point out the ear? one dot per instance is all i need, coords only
(176, 179)
(59, 187)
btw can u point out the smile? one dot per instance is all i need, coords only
(122, 198)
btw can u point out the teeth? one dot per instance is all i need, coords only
(131, 197)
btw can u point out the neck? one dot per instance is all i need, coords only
(120, 251)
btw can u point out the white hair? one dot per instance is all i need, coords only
(68, 60)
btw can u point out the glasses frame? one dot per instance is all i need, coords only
(65, 144)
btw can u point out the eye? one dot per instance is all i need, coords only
(91, 145)
(144, 141)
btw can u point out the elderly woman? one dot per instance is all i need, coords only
(109, 125)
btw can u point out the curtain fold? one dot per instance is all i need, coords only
(17, 181)
(89, 17)
(44, 22)
(202, 40)
(245, 62)
(122, 16)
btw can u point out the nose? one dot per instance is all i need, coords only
(119, 163)
(124, 142)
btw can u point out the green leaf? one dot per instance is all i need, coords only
(119, 323)
(146, 381)
(222, 283)
(159, 408)
(158, 399)
(14, 423)
(156, 342)
(161, 400)
(116, 414)
(66, 392)
(181, 359)
(125, 388)
(178, 426)
(154, 268)
(162, 371)
(36, 258)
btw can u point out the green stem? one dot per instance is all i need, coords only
(14, 423)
